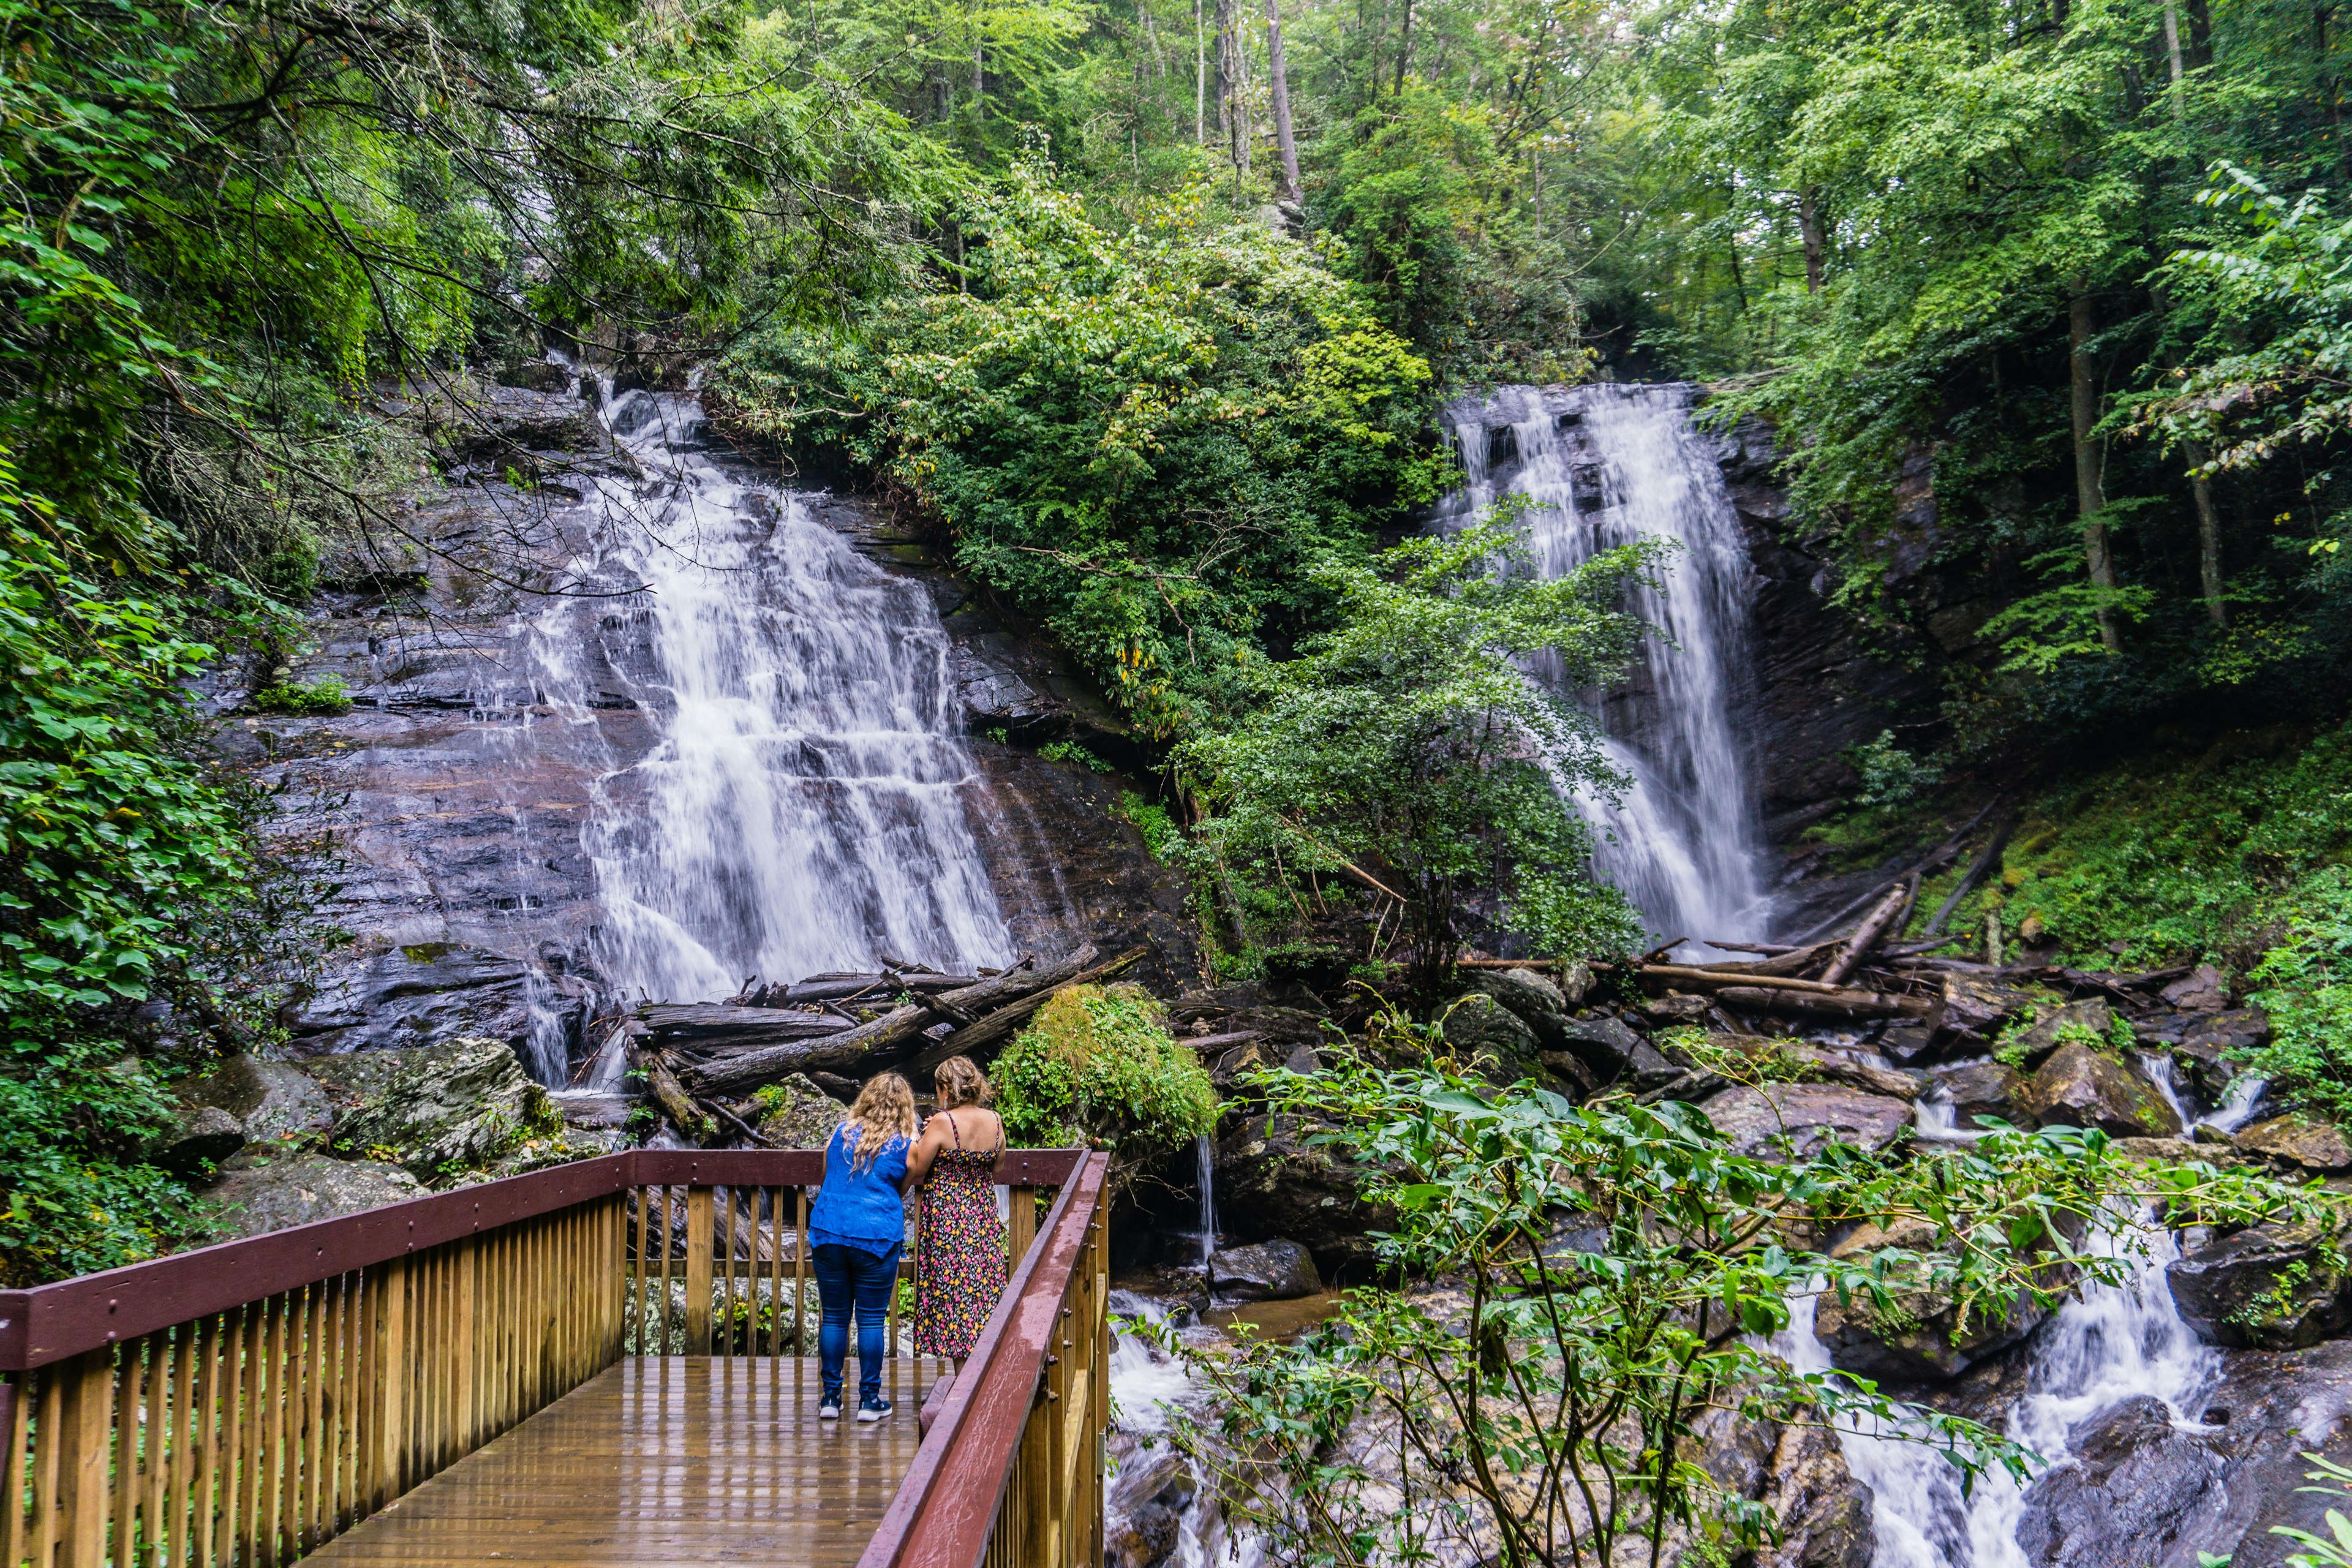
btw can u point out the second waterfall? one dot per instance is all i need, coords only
(1603, 466)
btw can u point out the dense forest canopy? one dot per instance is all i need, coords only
(1147, 306)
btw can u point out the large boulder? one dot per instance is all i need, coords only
(450, 1110)
(1614, 1053)
(2082, 1086)
(1979, 1092)
(1532, 997)
(1797, 1120)
(2055, 1026)
(1492, 1037)
(301, 1189)
(794, 1113)
(1265, 1271)
(1142, 1515)
(272, 1101)
(2269, 1410)
(1823, 1510)
(2138, 1492)
(1927, 1340)
(1977, 1007)
(2201, 989)
(1273, 1181)
(200, 1136)
(2272, 1287)
(2293, 1140)
(2209, 1051)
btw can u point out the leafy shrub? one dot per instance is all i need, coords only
(324, 697)
(1071, 751)
(2306, 989)
(1160, 834)
(1098, 1068)
(1890, 775)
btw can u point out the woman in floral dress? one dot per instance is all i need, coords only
(959, 1250)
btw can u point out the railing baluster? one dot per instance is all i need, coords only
(800, 1271)
(699, 1211)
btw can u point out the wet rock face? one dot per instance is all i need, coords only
(2293, 1141)
(1610, 1050)
(1796, 1120)
(2138, 1492)
(1490, 1036)
(1980, 1092)
(1268, 1271)
(1817, 692)
(417, 994)
(1824, 1512)
(2080, 1086)
(1930, 1343)
(305, 1189)
(2273, 1288)
(1271, 1183)
(1152, 1489)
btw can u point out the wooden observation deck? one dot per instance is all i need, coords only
(600, 1363)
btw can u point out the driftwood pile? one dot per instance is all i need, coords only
(839, 1030)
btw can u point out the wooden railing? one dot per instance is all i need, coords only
(237, 1406)
(1010, 1475)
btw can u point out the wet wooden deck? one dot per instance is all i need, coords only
(672, 1460)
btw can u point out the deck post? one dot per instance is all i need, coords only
(700, 1240)
(85, 1414)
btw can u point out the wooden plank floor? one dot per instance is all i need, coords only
(658, 1461)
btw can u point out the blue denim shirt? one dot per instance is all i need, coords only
(860, 1208)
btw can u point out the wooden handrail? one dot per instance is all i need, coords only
(950, 1509)
(49, 1323)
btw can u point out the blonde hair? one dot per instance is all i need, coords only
(885, 1109)
(960, 1082)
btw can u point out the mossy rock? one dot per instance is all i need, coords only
(451, 1110)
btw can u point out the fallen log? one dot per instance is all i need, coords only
(684, 1114)
(1218, 1042)
(1874, 925)
(1001, 1022)
(710, 1025)
(1817, 1005)
(1684, 975)
(849, 1048)
(1976, 873)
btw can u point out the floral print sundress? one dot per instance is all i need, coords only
(960, 1251)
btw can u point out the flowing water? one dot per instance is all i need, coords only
(1204, 1167)
(1604, 466)
(800, 809)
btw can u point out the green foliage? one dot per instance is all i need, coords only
(1097, 1068)
(1071, 751)
(1408, 742)
(1890, 775)
(1148, 436)
(320, 697)
(2179, 858)
(1611, 1271)
(1149, 818)
(2305, 986)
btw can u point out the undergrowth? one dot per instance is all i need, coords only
(1098, 1068)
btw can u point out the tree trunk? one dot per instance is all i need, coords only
(2209, 537)
(2082, 325)
(2200, 35)
(1200, 78)
(1404, 45)
(1278, 78)
(2172, 55)
(1809, 226)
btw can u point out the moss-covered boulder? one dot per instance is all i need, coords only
(1097, 1068)
(449, 1112)
(794, 1113)
(2082, 1086)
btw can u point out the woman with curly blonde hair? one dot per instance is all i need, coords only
(857, 1229)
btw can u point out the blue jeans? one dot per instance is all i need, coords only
(849, 1277)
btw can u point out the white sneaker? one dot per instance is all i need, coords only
(830, 1410)
(873, 1410)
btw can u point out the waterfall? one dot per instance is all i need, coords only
(798, 805)
(2110, 1344)
(1205, 1164)
(1605, 465)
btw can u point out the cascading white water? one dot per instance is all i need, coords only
(799, 808)
(2238, 1106)
(1605, 465)
(1204, 1164)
